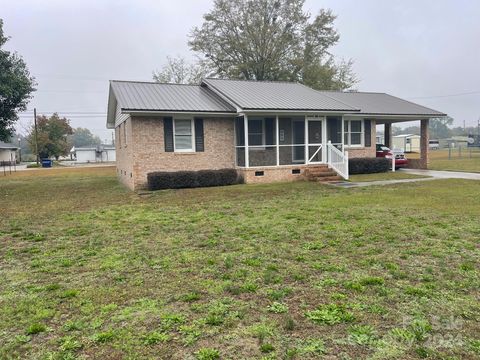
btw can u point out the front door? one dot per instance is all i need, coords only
(316, 141)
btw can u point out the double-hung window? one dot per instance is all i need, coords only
(183, 132)
(353, 130)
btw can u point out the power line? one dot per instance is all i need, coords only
(445, 96)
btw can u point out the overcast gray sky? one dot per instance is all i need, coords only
(421, 50)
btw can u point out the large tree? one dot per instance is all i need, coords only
(16, 87)
(179, 71)
(52, 136)
(84, 137)
(271, 40)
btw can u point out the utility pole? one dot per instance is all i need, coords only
(36, 134)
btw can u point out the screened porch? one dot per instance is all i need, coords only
(293, 140)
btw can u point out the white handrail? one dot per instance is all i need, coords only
(337, 160)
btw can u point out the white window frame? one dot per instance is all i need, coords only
(258, 147)
(347, 131)
(192, 124)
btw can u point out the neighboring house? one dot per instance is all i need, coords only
(8, 153)
(268, 131)
(100, 153)
(407, 142)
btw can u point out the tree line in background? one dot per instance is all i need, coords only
(263, 40)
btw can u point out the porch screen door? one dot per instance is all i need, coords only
(315, 140)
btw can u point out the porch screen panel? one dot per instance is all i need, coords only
(240, 141)
(240, 131)
(261, 141)
(291, 140)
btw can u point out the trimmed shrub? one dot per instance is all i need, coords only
(368, 165)
(189, 179)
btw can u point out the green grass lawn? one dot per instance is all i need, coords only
(284, 271)
(468, 159)
(397, 175)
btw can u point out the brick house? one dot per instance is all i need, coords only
(268, 131)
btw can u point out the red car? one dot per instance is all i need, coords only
(400, 159)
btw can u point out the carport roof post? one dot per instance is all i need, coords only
(424, 146)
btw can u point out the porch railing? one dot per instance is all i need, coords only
(337, 160)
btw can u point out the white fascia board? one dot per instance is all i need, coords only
(177, 113)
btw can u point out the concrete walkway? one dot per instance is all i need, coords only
(438, 174)
(434, 175)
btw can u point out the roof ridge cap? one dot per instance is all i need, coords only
(150, 82)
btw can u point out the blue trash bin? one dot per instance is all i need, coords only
(47, 163)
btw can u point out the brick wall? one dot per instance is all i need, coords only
(124, 153)
(144, 152)
(149, 150)
(272, 174)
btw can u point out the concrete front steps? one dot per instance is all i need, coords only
(321, 173)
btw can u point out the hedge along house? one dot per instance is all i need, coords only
(268, 131)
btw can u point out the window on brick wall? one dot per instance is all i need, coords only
(183, 134)
(353, 133)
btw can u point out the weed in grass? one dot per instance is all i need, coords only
(191, 297)
(69, 343)
(262, 331)
(155, 337)
(104, 337)
(353, 285)
(338, 296)
(74, 325)
(416, 291)
(330, 314)
(278, 294)
(270, 276)
(372, 281)
(278, 308)
(467, 266)
(313, 346)
(327, 282)
(190, 334)
(249, 287)
(71, 293)
(474, 346)
(171, 320)
(23, 339)
(108, 308)
(228, 262)
(36, 328)
(267, 348)
(208, 354)
(403, 335)
(52, 287)
(65, 262)
(362, 334)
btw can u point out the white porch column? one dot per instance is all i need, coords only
(245, 125)
(305, 140)
(276, 140)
